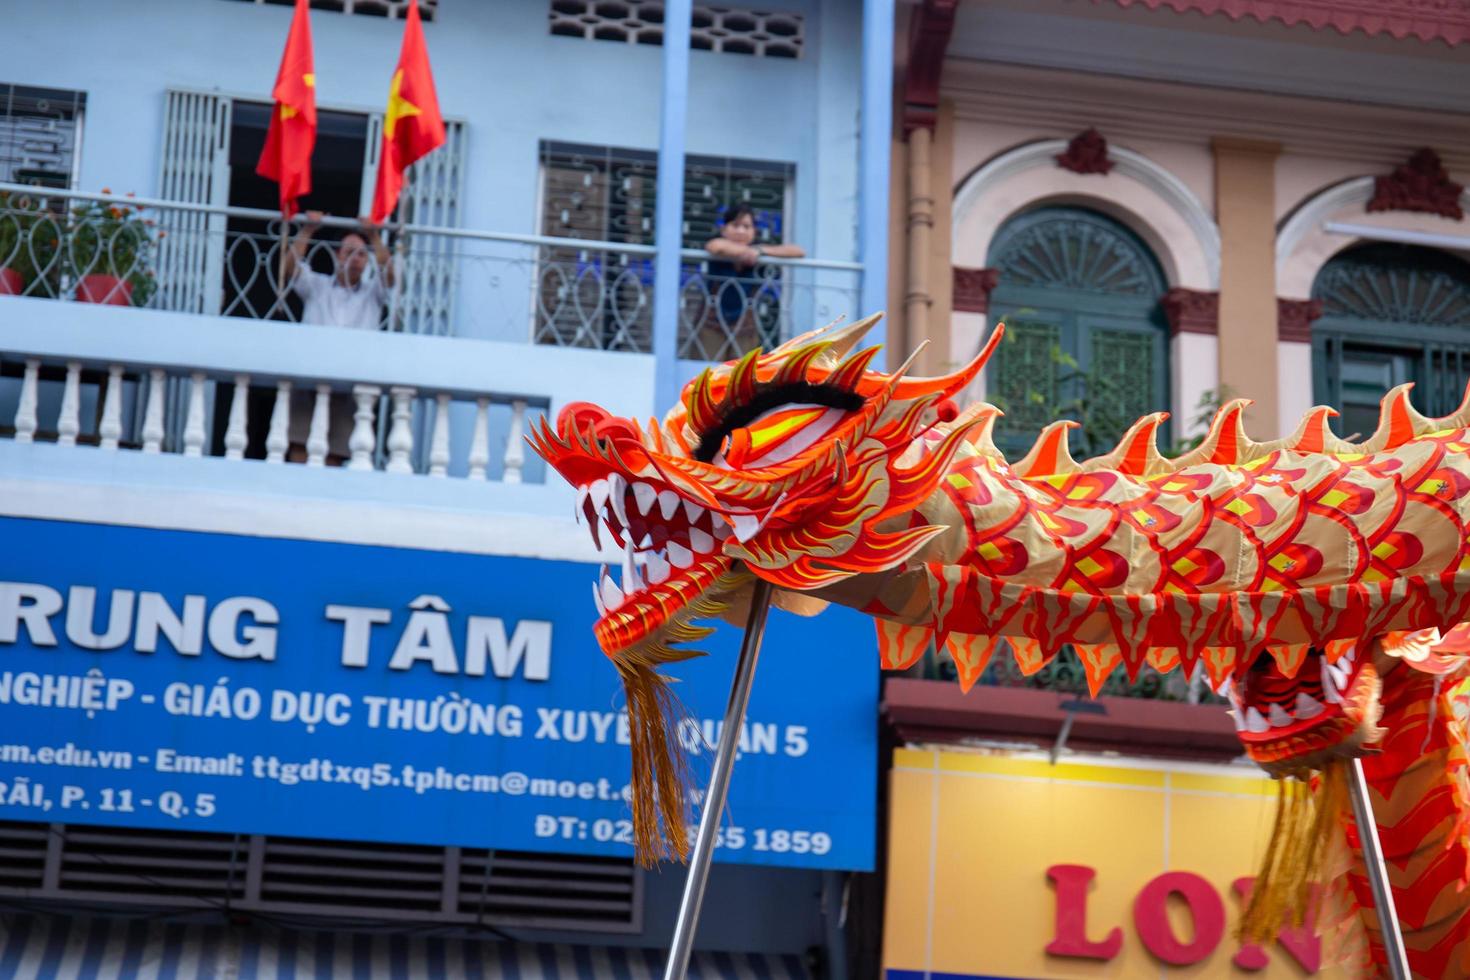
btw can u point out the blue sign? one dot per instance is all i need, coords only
(254, 685)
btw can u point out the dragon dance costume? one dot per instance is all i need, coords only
(1309, 577)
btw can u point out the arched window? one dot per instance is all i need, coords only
(1390, 314)
(1086, 336)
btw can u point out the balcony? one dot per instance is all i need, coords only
(563, 292)
(140, 328)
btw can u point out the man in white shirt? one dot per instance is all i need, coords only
(352, 296)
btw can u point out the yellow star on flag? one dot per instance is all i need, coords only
(398, 106)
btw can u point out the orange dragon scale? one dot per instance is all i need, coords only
(1316, 582)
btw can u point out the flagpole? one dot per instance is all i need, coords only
(281, 262)
(682, 944)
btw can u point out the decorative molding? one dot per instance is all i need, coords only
(929, 35)
(1192, 311)
(1427, 20)
(972, 289)
(1170, 189)
(1294, 319)
(1086, 154)
(1314, 212)
(1421, 184)
(1071, 88)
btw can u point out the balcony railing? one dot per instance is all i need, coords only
(106, 248)
(103, 383)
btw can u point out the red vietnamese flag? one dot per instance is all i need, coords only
(412, 125)
(286, 158)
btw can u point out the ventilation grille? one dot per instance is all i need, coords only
(371, 8)
(22, 855)
(763, 34)
(151, 865)
(348, 880)
(503, 884)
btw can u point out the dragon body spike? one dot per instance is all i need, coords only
(1050, 455)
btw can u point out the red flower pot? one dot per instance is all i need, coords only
(11, 284)
(107, 290)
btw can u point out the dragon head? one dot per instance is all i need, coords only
(788, 465)
(1297, 717)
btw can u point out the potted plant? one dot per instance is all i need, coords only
(29, 246)
(110, 254)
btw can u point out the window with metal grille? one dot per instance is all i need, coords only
(602, 296)
(40, 135)
(1085, 333)
(370, 8)
(762, 33)
(1390, 314)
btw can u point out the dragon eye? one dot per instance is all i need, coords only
(778, 423)
(776, 436)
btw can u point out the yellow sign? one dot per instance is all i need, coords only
(1004, 866)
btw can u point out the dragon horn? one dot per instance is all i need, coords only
(845, 339)
(951, 383)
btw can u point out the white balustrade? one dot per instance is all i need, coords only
(278, 438)
(25, 410)
(400, 434)
(439, 447)
(163, 394)
(68, 424)
(515, 446)
(480, 441)
(153, 413)
(235, 437)
(316, 437)
(363, 440)
(194, 420)
(109, 430)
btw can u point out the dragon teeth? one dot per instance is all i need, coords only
(657, 568)
(1235, 714)
(597, 598)
(679, 555)
(1307, 706)
(644, 496)
(668, 502)
(1277, 717)
(618, 497)
(631, 582)
(747, 526)
(1330, 687)
(1255, 722)
(597, 492)
(612, 596)
(692, 511)
(701, 542)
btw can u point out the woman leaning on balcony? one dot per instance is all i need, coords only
(733, 284)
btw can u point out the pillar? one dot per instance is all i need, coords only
(1245, 206)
